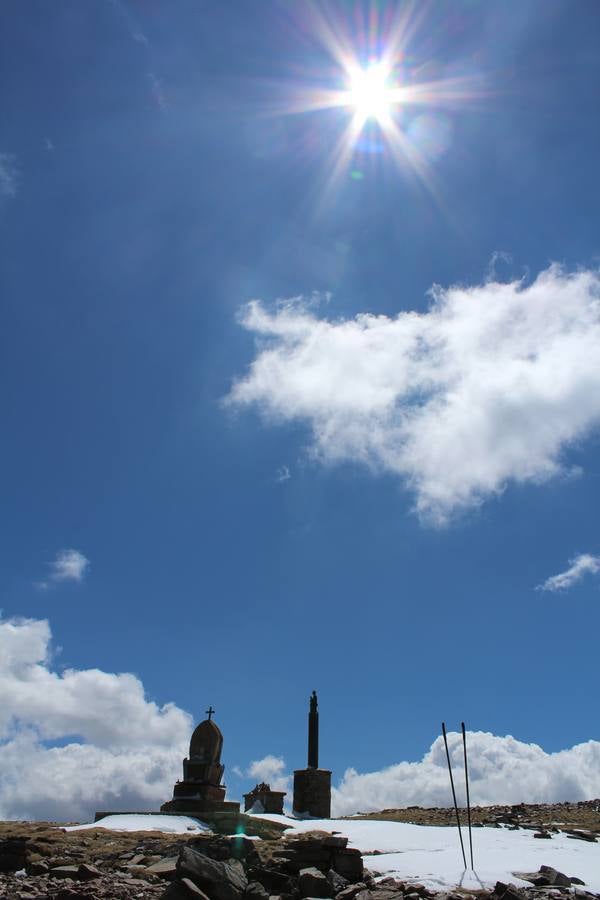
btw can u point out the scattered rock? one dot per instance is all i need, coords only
(506, 891)
(164, 868)
(386, 895)
(582, 835)
(351, 891)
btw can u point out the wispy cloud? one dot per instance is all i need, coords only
(489, 386)
(69, 565)
(156, 87)
(9, 175)
(132, 25)
(579, 566)
(283, 474)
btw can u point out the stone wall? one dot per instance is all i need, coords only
(312, 793)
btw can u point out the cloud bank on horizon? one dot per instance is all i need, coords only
(490, 386)
(80, 740)
(502, 770)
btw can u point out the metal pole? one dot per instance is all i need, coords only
(462, 846)
(464, 734)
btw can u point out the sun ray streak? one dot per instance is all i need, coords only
(341, 155)
(373, 77)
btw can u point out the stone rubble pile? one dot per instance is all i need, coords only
(212, 867)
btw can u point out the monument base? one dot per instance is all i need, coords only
(312, 793)
(198, 807)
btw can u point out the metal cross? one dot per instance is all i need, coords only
(209, 712)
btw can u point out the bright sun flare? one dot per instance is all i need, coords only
(370, 93)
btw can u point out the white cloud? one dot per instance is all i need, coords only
(581, 565)
(270, 769)
(116, 747)
(502, 770)
(491, 385)
(283, 474)
(69, 565)
(9, 175)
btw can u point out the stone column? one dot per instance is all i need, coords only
(313, 733)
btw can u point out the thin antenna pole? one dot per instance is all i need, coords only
(462, 846)
(464, 734)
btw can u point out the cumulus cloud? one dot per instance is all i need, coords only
(490, 386)
(69, 565)
(9, 175)
(115, 746)
(501, 770)
(270, 769)
(579, 566)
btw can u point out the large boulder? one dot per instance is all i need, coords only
(313, 883)
(349, 864)
(220, 880)
(183, 889)
(274, 881)
(336, 882)
(13, 855)
(546, 877)
(256, 891)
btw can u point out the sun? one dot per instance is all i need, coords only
(370, 92)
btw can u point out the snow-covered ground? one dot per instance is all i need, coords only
(431, 855)
(166, 824)
(419, 853)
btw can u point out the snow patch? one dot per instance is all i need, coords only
(166, 824)
(431, 854)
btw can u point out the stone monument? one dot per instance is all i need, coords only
(261, 799)
(201, 792)
(312, 786)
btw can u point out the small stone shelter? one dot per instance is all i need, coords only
(261, 799)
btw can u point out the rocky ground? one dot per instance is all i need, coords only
(542, 817)
(40, 861)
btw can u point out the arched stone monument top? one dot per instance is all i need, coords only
(207, 742)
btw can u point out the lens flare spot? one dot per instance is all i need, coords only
(431, 134)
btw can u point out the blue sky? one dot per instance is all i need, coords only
(153, 182)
